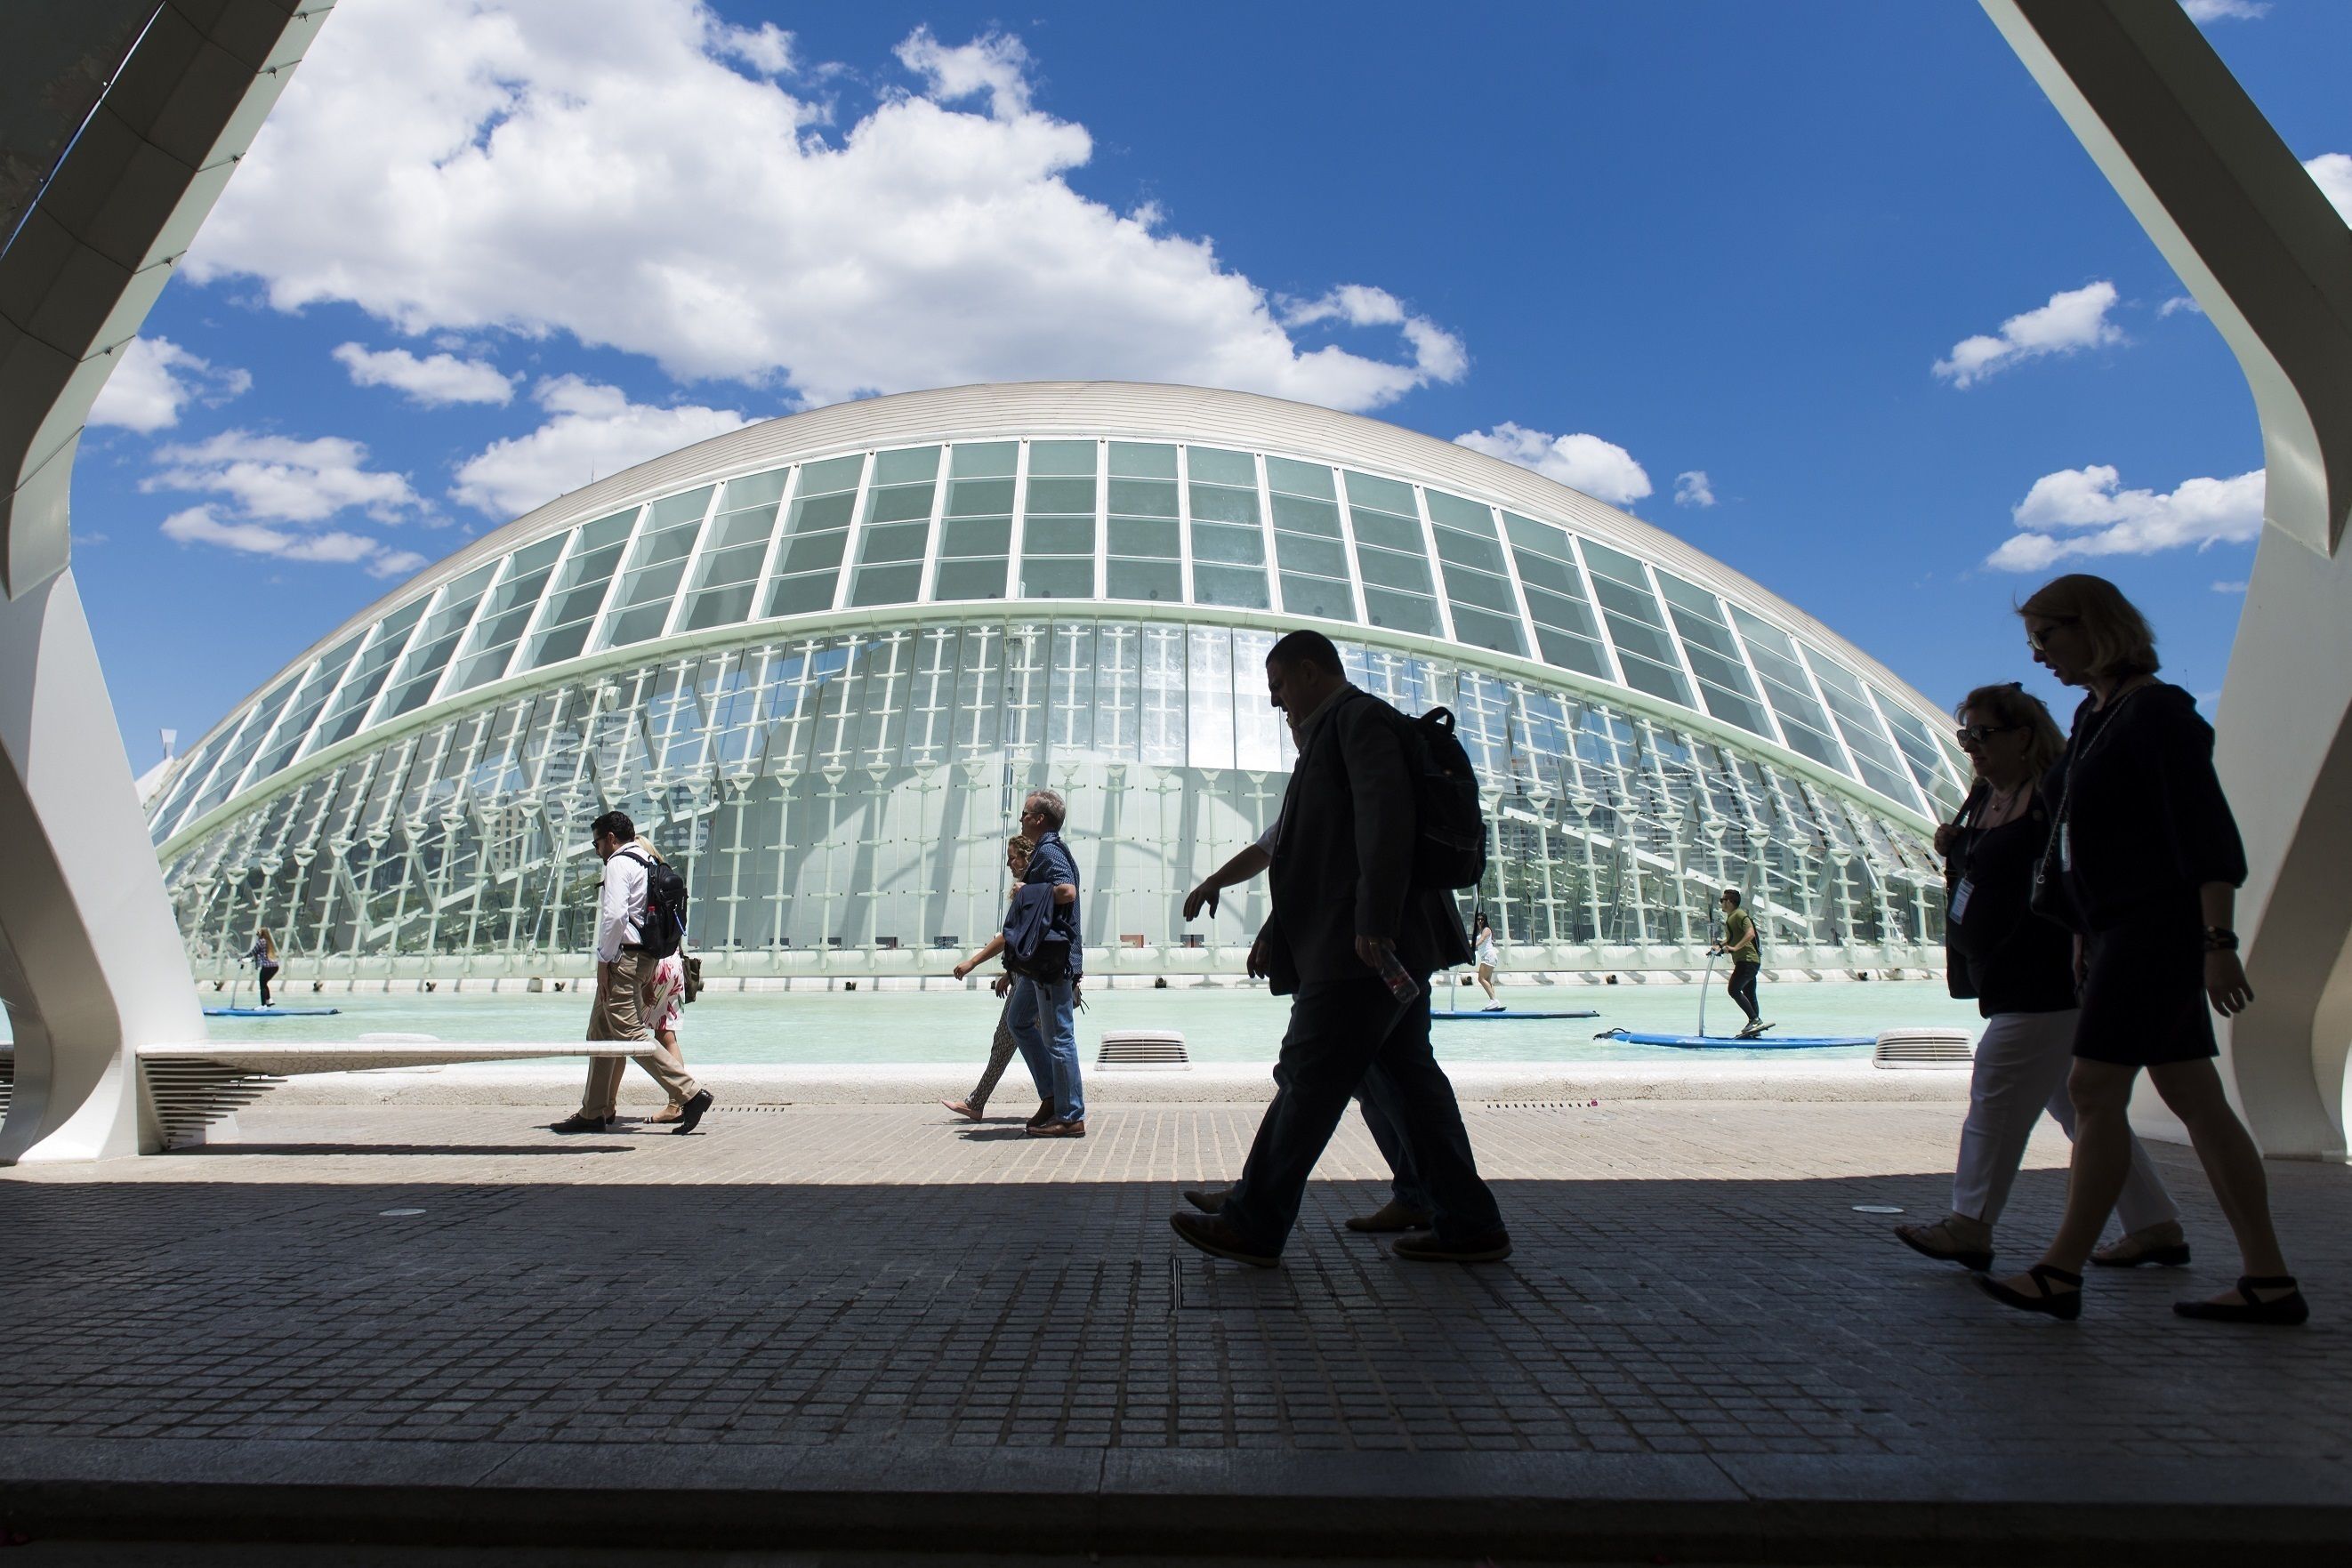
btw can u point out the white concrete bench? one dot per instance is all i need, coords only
(196, 1089)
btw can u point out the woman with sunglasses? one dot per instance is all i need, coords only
(2144, 862)
(2019, 968)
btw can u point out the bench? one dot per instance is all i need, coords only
(198, 1088)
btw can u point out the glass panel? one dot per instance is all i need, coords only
(1062, 457)
(1154, 579)
(1477, 582)
(1714, 655)
(1057, 535)
(897, 531)
(1243, 588)
(420, 671)
(726, 576)
(1141, 460)
(1637, 625)
(1803, 724)
(640, 606)
(976, 537)
(578, 592)
(816, 527)
(257, 722)
(984, 460)
(1566, 635)
(1318, 596)
(1919, 752)
(506, 614)
(1285, 477)
(286, 735)
(1215, 466)
(368, 672)
(1859, 726)
(1057, 579)
(1227, 545)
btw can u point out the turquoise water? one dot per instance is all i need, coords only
(1227, 1025)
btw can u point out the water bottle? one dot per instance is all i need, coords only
(1402, 984)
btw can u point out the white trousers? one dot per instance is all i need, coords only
(2020, 1072)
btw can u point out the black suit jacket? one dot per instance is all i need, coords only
(1343, 863)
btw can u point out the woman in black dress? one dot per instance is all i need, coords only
(2144, 864)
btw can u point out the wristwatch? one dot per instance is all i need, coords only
(2220, 939)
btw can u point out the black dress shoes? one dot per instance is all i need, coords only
(690, 1113)
(1215, 1236)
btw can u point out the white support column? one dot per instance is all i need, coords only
(90, 960)
(2263, 254)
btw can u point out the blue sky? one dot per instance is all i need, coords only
(1841, 261)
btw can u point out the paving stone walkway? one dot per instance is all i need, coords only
(1691, 1279)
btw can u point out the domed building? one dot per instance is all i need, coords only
(820, 659)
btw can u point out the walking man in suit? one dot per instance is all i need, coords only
(1343, 902)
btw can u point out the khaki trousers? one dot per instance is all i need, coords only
(618, 1015)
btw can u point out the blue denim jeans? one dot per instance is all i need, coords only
(1339, 1030)
(1042, 1022)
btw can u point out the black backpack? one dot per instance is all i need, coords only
(663, 930)
(1450, 847)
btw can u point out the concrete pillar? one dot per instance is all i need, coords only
(2269, 260)
(90, 961)
(92, 966)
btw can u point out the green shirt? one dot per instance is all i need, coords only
(1740, 937)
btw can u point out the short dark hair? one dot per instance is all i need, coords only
(1732, 894)
(616, 823)
(1307, 648)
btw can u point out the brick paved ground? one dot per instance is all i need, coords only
(1691, 1280)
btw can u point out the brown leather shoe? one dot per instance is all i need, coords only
(1057, 1128)
(1219, 1240)
(1203, 1199)
(1391, 1215)
(1044, 1113)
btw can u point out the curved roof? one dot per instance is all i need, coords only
(1161, 498)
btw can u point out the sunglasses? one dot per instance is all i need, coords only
(2037, 639)
(1976, 734)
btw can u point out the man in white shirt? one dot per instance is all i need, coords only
(622, 969)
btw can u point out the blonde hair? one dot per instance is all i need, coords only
(1021, 844)
(268, 942)
(2121, 642)
(2012, 704)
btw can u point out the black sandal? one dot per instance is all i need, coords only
(2065, 1306)
(2285, 1311)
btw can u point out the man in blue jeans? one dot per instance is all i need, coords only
(1041, 1011)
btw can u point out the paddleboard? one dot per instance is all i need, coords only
(270, 1012)
(1514, 1016)
(1732, 1042)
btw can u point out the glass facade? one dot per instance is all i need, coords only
(823, 686)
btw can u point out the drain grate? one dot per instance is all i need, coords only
(764, 1106)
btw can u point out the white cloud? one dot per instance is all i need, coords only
(996, 64)
(2238, 586)
(2203, 11)
(2333, 171)
(767, 49)
(594, 431)
(155, 378)
(2083, 512)
(1601, 469)
(2074, 319)
(1692, 488)
(434, 381)
(198, 526)
(599, 168)
(280, 478)
(2176, 303)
